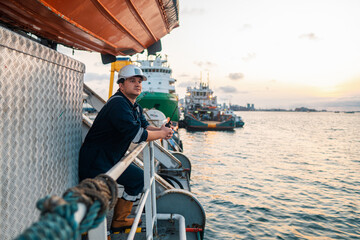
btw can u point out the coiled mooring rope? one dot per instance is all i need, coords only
(57, 220)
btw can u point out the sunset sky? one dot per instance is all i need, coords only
(274, 54)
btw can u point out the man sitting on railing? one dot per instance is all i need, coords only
(120, 122)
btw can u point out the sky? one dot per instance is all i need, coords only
(273, 54)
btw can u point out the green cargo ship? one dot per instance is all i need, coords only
(159, 90)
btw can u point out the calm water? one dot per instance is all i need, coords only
(283, 176)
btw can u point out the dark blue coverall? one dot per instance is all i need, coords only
(117, 125)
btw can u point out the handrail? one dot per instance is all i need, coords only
(180, 218)
(167, 153)
(159, 179)
(121, 166)
(137, 217)
(149, 185)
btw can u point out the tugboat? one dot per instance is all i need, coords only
(159, 90)
(238, 120)
(202, 111)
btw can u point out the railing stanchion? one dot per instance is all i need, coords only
(99, 233)
(153, 189)
(147, 185)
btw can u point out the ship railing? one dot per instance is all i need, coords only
(147, 201)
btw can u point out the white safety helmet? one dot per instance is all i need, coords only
(130, 71)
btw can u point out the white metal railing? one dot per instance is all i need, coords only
(148, 199)
(100, 233)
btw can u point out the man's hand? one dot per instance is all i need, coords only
(168, 132)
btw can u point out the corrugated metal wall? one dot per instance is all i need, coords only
(40, 127)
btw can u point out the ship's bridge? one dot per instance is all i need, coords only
(158, 74)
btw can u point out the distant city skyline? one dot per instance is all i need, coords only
(275, 54)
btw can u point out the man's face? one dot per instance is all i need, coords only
(131, 87)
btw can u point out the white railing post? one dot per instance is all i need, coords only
(148, 199)
(149, 183)
(153, 187)
(100, 232)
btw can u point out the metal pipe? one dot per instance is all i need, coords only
(159, 179)
(115, 172)
(175, 170)
(121, 166)
(153, 189)
(180, 218)
(138, 214)
(80, 213)
(156, 144)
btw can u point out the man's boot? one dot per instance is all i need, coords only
(122, 209)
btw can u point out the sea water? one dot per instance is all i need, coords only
(284, 175)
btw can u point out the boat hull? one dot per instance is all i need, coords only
(239, 124)
(194, 124)
(109, 27)
(167, 103)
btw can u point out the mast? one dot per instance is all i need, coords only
(208, 81)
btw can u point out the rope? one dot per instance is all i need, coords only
(57, 220)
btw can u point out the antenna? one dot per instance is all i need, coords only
(208, 81)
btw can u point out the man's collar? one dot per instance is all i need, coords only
(135, 105)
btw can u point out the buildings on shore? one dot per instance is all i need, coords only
(251, 107)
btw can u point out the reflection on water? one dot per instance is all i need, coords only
(282, 176)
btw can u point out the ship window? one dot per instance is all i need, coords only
(149, 83)
(159, 82)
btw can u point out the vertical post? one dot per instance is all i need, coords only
(153, 183)
(99, 233)
(147, 185)
(112, 73)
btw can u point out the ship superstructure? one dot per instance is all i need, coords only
(159, 77)
(159, 89)
(202, 96)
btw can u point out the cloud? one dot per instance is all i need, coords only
(185, 84)
(344, 104)
(228, 89)
(236, 76)
(183, 75)
(192, 11)
(249, 57)
(309, 36)
(245, 27)
(96, 76)
(206, 64)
